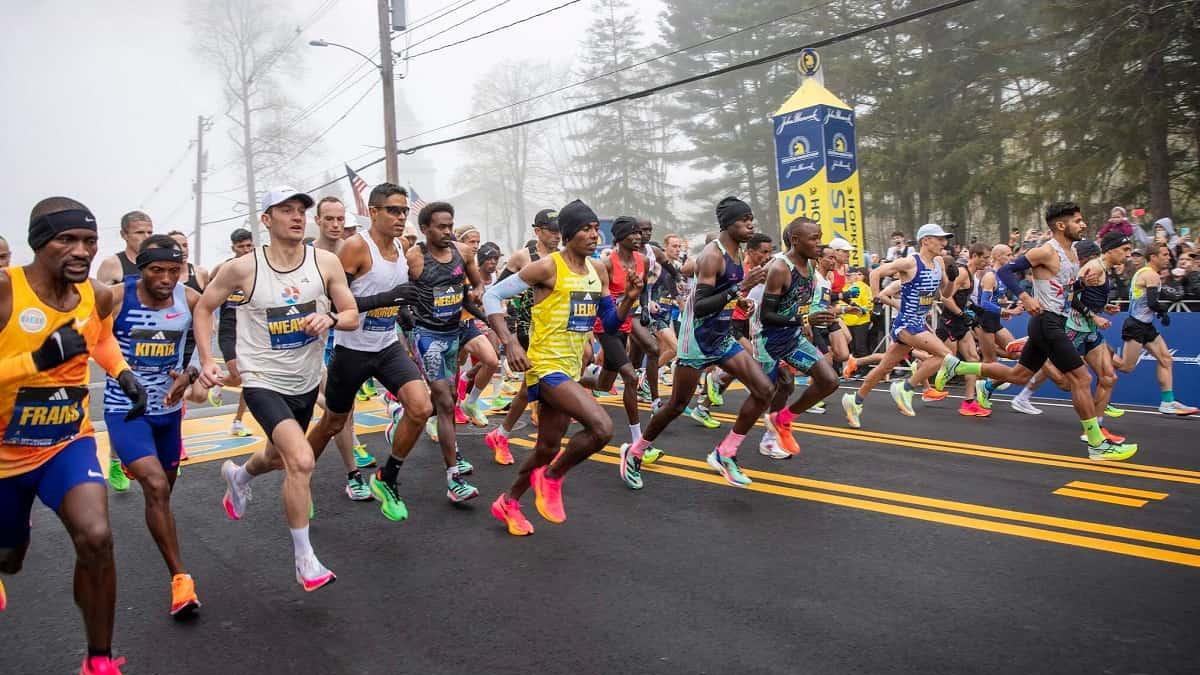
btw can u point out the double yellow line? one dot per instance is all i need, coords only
(1078, 533)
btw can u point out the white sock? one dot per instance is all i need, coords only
(1099, 420)
(635, 430)
(354, 439)
(451, 473)
(242, 477)
(300, 544)
(1025, 394)
(473, 396)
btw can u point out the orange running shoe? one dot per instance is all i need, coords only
(549, 495)
(850, 368)
(783, 431)
(101, 665)
(499, 444)
(931, 394)
(3, 596)
(508, 511)
(183, 596)
(1115, 438)
(1015, 347)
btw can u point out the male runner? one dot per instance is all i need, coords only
(52, 318)
(546, 241)
(241, 243)
(154, 314)
(779, 335)
(721, 284)
(135, 227)
(441, 267)
(474, 343)
(957, 320)
(1138, 331)
(5, 253)
(197, 277)
(664, 301)
(1053, 268)
(378, 274)
(281, 323)
(570, 291)
(642, 345)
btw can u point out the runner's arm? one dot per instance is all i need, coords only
(708, 300)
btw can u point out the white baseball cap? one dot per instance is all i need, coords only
(932, 230)
(280, 195)
(839, 244)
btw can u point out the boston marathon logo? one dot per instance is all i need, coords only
(285, 325)
(45, 416)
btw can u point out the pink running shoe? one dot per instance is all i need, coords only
(101, 665)
(312, 575)
(499, 445)
(549, 496)
(508, 511)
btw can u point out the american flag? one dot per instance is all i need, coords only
(414, 200)
(357, 186)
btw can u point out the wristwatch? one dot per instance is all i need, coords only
(333, 315)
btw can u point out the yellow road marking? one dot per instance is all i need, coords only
(1117, 490)
(1101, 497)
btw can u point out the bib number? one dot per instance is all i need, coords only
(582, 311)
(284, 325)
(154, 351)
(45, 416)
(447, 303)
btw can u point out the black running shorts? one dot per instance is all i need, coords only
(227, 334)
(271, 408)
(989, 322)
(952, 327)
(1048, 339)
(1138, 331)
(349, 368)
(614, 350)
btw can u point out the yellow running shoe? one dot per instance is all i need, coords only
(183, 596)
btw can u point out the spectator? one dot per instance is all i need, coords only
(899, 248)
(1117, 222)
(1014, 239)
(1191, 271)
(858, 312)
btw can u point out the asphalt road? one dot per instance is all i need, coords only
(927, 545)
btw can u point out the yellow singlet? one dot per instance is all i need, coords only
(563, 322)
(49, 409)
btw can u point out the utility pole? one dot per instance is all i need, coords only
(389, 91)
(203, 124)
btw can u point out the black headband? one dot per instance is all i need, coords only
(49, 226)
(623, 226)
(153, 255)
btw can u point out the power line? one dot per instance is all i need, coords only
(335, 122)
(422, 22)
(170, 172)
(468, 19)
(489, 32)
(642, 93)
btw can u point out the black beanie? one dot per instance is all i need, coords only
(622, 227)
(572, 218)
(730, 209)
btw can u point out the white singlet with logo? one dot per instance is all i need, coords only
(273, 350)
(376, 328)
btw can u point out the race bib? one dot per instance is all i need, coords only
(447, 303)
(380, 320)
(284, 325)
(582, 313)
(154, 351)
(926, 300)
(45, 416)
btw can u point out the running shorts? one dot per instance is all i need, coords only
(350, 368)
(740, 329)
(1085, 341)
(732, 348)
(802, 356)
(1138, 331)
(468, 330)
(227, 334)
(437, 352)
(74, 465)
(550, 380)
(615, 356)
(158, 436)
(989, 322)
(271, 408)
(953, 328)
(914, 326)
(1048, 340)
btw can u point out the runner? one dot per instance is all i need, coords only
(474, 344)
(721, 284)
(1138, 331)
(52, 317)
(957, 320)
(441, 267)
(664, 304)
(546, 241)
(197, 277)
(1053, 268)
(154, 314)
(5, 253)
(642, 345)
(378, 275)
(280, 325)
(570, 291)
(242, 243)
(135, 227)
(779, 336)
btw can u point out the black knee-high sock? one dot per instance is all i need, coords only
(390, 470)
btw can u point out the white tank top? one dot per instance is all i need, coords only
(376, 328)
(273, 350)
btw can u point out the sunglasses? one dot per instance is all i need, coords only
(395, 211)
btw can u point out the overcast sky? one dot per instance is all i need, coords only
(102, 99)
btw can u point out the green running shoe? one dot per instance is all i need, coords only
(1112, 452)
(652, 455)
(367, 391)
(903, 397)
(1110, 411)
(631, 468)
(701, 415)
(475, 412)
(713, 391)
(983, 395)
(362, 458)
(312, 508)
(116, 476)
(853, 411)
(390, 504)
(357, 489)
(945, 372)
(459, 490)
(644, 390)
(729, 470)
(463, 467)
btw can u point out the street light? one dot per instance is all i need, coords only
(326, 43)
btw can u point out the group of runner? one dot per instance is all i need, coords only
(303, 323)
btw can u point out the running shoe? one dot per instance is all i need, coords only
(903, 397)
(390, 504)
(183, 596)
(459, 490)
(644, 390)
(214, 397)
(549, 495)
(970, 408)
(665, 376)
(702, 416)
(1113, 452)
(983, 395)
(728, 468)
(463, 466)
(1014, 348)
(116, 476)
(652, 455)
(853, 411)
(1108, 436)
(312, 507)
(508, 511)
(509, 388)
(850, 368)
(631, 468)
(460, 391)
(931, 394)
(236, 498)
(783, 435)
(817, 409)
(500, 403)
(3, 597)
(712, 389)
(769, 447)
(101, 665)
(460, 417)
(1110, 411)
(238, 429)
(431, 429)
(312, 575)
(656, 406)
(499, 444)
(474, 413)
(364, 459)
(1177, 408)
(394, 409)
(389, 432)
(367, 391)
(357, 489)
(945, 372)
(1022, 405)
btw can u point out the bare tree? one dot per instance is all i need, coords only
(244, 41)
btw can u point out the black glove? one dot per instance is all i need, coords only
(59, 347)
(136, 393)
(402, 294)
(405, 319)
(1165, 319)
(644, 317)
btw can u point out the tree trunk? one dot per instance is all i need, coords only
(248, 158)
(1158, 160)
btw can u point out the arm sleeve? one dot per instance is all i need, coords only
(607, 311)
(511, 286)
(1152, 300)
(709, 301)
(771, 315)
(987, 300)
(107, 352)
(1008, 273)
(1077, 302)
(473, 309)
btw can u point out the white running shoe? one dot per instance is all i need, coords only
(817, 409)
(236, 497)
(1176, 408)
(769, 447)
(1023, 406)
(238, 429)
(312, 575)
